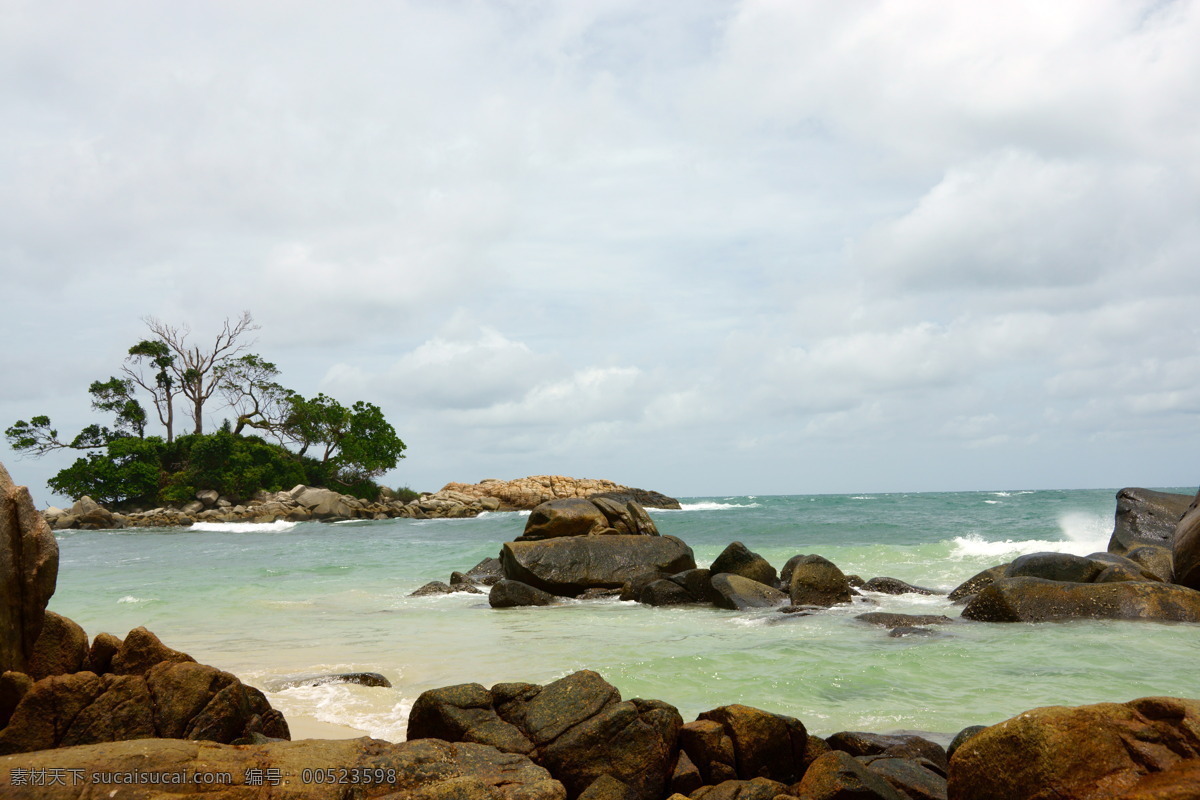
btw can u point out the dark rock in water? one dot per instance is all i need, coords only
(889, 620)
(486, 572)
(738, 594)
(600, 594)
(909, 630)
(1122, 568)
(424, 768)
(737, 559)
(902, 745)
(913, 780)
(1158, 562)
(962, 737)
(698, 583)
(837, 775)
(764, 745)
(357, 678)
(432, 588)
(28, 573)
(1039, 600)
(1095, 751)
(797, 611)
(61, 648)
(663, 592)
(816, 581)
(1146, 517)
(855, 581)
(570, 565)
(895, 586)
(632, 588)
(1054, 567)
(643, 497)
(976, 583)
(1186, 549)
(511, 594)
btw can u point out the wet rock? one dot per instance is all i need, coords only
(464, 713)
(573, 516)
(568, 566)
(1146, 517)
(839, 776)
(511, 594)
(432, 588)
(817, 581)
(891, 620)
(909, 777)
(1092, 751)
(486, 572)
(977, 583)
(1038, 600)
(739, 594)
(895, 586)
(1054, 567)
(356, 678)
(962, 737)
(909, 630)
(765, 745)
(910, 746)
(737, 559)
(697, 582)
(665, 592)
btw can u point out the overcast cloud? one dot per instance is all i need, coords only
(700, 247)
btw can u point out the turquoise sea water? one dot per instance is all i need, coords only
(272, 602)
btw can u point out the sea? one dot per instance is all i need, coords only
(277, 603)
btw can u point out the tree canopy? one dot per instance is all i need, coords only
(318, 441)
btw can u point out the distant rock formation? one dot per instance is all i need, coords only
(527, 493)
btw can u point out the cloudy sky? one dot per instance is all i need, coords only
(702, 247)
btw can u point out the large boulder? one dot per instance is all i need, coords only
(578, 727)
(1078, 753)
(737, 559)
(739, 594)
(1186, 547)
(1055, 567)
(977, 583)
(1146, 517)
(572, 516)
(568, 566)
(816, 581)
(323, 503)
(311, 769)
(839, 776)
(28, 572)
(764, 745)
(61, 648)
(513, 594)
(1040, 600)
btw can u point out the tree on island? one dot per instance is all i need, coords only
(125, 466)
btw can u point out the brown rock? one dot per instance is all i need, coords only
(426, 769)
(142, 650)
(464, 713)
(1038, 600)
(685, 777)
(566, 517)
(61, 648)
(817, 581)
(739, 594)
(754, 789)
(46, 711)
(710, 748)
(528, 493)
(568, 566)
(1079, 753)
(1146, 517)
(121, 711)
(765, 745)
(837, 775)
(911, 746)
(28, 572)
(737, 559)
(13, 686)
(1186, 547)
(977, 583)
(100, 654)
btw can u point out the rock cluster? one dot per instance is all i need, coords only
(303, 503)
(1149, 572)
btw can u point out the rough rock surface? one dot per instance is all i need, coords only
(511, 594)
(28, 573)
(1186, 548)
(570, 565)
(737, 559)
(527, 493)
(575, 516)
(1064, 753)
(762, 744)
(816, 581)
(738, 594)
(1039, 600)
(311, 769)
(1145, 517)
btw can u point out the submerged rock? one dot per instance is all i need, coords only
(736, 593)
(512, 594)
(887, 585)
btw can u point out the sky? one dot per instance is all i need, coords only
(705, 248)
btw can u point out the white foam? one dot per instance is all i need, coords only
(991, 502)
(707, 505)
(244, 527)
(1082, 539)
(131, 599)
(861, 497)
(380, 712)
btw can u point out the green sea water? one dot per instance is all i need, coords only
(270, 603)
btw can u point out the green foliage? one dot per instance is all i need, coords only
(235, 466)
(358, 443)
(406, 495)
(128, 473)
(116, 397)
(35, 436)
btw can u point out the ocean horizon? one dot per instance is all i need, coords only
(272, 603)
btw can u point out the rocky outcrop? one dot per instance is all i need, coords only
(144, 689)
(1186, 547)
(512, 594)
(28, 573)
(568, 566)
(1146, 517)
(528, 493)
(577, 727)
(736, 593)
(579, 517)
(816, 581)
(737, 559)
(1040, 600)
(1095, 751)
(312, 769)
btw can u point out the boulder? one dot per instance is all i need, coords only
(886, 585)
(765, 745)
(709, 747)
(323, 503)
(698, 583)
(1158, 561)
(962, 737)
(628, 517)
(511, 594)
(839, 776)
(737, 559)
(976, 583)
(738, 594)
(100, 654)
(464, 713)
(754, 789)
(569, 565)
(686, 777)
(1146, 517)
(61, 648)
(567, 517)
(1055, 567)
(432, 588)
(899, 745)
(142, 650)
(528, 493)
(1039, 600)
(1186, 548)
(1089, 751)
(424, 769)
(910, 778)
(890, 620)
(664, 592)
(816, 581)
(356, 678)
(28, 572)
(486, 572)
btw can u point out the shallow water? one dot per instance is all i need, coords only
(270, 602)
